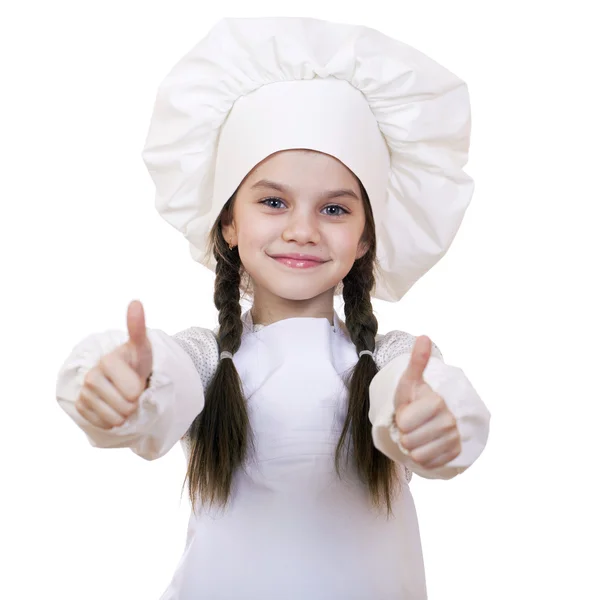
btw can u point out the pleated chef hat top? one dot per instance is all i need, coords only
(255, 86)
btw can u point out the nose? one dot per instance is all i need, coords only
(301, 228)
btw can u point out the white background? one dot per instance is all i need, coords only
(514, 302)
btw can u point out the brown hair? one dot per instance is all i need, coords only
(220, 436)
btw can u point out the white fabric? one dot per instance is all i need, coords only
(293, 530)
(422, 111)
(312, 114)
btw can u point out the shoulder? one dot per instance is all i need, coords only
(201, 346)
(395, 343)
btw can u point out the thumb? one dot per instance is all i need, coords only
(413, 375)
(421, 354)
(138, 346)
(136, 323)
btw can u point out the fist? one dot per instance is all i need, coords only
(111, 390)
(429, 435)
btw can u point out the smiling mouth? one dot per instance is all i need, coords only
(298, 261)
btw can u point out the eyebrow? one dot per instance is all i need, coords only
(273, 185)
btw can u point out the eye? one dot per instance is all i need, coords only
(273, 202)
(335, 210)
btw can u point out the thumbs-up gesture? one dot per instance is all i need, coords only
(429, 434)
(112, 388)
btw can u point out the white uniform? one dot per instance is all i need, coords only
(293, 530)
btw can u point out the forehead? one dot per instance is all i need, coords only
(303, 169)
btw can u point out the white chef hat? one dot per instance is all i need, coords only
(254, 86)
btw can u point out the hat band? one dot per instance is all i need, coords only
(326, 115)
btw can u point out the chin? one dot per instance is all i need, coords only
(296, 291)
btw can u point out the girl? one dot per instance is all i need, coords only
(311, 158)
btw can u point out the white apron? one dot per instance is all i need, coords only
(293, 530)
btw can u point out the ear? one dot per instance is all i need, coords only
(362, 249)
(229, 233)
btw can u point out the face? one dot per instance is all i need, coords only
(298, 222)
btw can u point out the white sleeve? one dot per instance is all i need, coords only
(166, 409)
(472, 416)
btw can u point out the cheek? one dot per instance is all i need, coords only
(258, 235)
(346, 241)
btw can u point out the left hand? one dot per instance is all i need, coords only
(428, 428)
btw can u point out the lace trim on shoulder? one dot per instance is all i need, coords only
(202, 347)
(394, 344)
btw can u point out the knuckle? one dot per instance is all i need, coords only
(403, 425)
(79, 407)
(91, 377)
(129, 409)
(81, 402)
(107, 362)
(449, 424)
(439, 403)
(114, 420)
(417, 456)
(407, 442)
(131, 396)
(403, 418)
(104, 361)
(127, 396)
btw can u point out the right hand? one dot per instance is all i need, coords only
(111, 390)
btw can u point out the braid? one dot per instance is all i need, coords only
(227, 301)
(220, 434)
(374, 468)
(360, 320)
